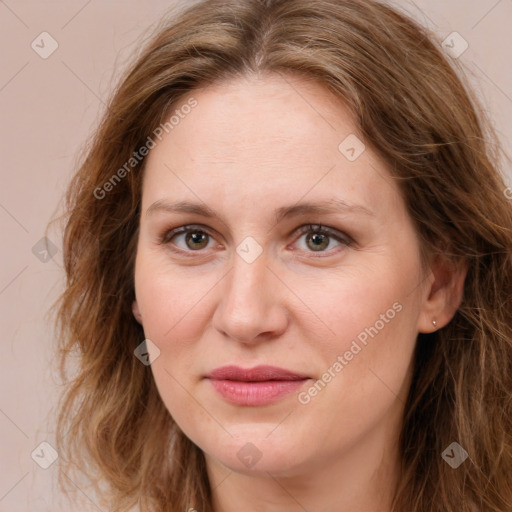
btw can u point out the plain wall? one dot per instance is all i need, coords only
(48, 109)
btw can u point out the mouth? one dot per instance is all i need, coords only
(257, 386)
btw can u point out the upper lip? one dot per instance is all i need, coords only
(257, 374)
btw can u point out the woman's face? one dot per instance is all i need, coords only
(251, 285)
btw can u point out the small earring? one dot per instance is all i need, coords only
(435, 323)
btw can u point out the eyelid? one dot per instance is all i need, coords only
(170, 233)
(326, 230)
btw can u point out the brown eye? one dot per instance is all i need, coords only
(196, 239)
(187, 238)
(319, 238)
(317, 241)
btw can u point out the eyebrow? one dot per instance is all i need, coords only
(333, 205)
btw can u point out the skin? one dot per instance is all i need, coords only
(252, 145)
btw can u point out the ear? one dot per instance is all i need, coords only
(443, 293)
(136, 312)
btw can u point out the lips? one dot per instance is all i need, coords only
(257, 386)
(257, 374)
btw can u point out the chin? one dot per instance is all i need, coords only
(254, 452)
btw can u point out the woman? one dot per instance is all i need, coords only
(288, 253)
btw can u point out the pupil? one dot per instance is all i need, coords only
(317, 240)
(197, 237)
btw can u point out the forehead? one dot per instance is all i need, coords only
(276, 134)
(270, 116)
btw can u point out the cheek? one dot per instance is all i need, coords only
(169, 298)
(170, 305)
(363, 303)
(189, 412)
(175, 308)
(364, 344)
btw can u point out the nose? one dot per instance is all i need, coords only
(252, 304)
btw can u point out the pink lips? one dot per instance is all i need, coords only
(261, 385)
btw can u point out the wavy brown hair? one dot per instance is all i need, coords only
(413, 108)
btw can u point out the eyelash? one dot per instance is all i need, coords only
(307, 228)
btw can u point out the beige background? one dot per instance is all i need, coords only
(48, 107)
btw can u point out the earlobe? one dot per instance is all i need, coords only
(136, 312)
(443, 296)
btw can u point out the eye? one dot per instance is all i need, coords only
(318, 237)
(194, 238)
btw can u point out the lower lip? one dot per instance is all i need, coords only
(255, 393)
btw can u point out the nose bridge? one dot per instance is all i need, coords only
(247, 282)
(249, 305)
